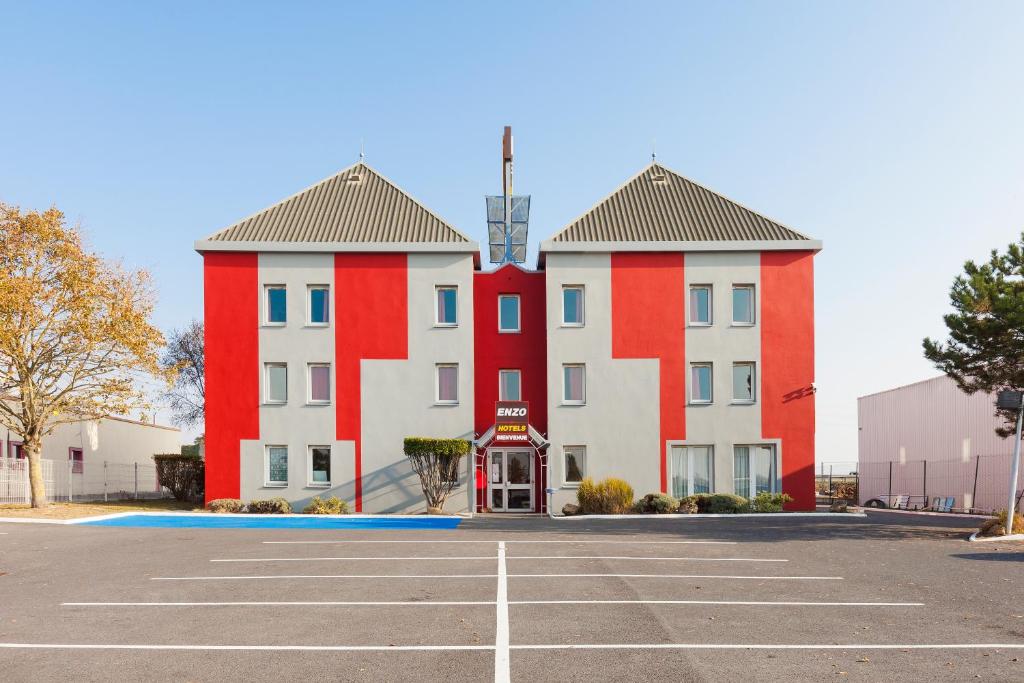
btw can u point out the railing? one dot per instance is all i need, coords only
(80, 481)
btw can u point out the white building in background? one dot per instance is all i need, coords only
(930, 439)
(87, 459)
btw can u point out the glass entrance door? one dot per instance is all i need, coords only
(510, 480)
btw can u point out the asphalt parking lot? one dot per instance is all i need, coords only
(515, 598)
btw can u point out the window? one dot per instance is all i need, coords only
(690, 469)
(77, 461)
(510, 386)
(16, 449)
(276, 473)
(319, 383)
(743, 305)
(508, 313)
(700, 304)
(572, 306)
(755, 470)
(276, 305)
(575, 463)
(275, 384)
(700, 383)
(743, 382)
(319, 305)
(447, 307)
(574, 390)
(447, 383)
(319, 466)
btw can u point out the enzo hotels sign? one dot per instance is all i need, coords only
(512, 421)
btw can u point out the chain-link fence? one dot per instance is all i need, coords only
(836, 481)
(81, 481)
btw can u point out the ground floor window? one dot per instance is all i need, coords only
(575, 463)
(319, 466)
(276, 466)
(755, 470)
(77, 461)
(690, 470)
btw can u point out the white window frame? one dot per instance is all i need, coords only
(711, 384)
(267, 482)
(583, 306)
(565, 399)
(581, 456)
(266, 305)
(437, 309)
(689, 306)
(437, 384)
(776, 481)
(310, 483)
(309, 384)
(753, 382)
(501, 384)
(266, 383)
(309, 305)
(519, 314)
(753, 307)
(689, 450)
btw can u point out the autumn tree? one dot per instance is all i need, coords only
(985, 349)
(73, 330)
(183, 360)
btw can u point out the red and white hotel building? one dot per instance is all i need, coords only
(666, 337)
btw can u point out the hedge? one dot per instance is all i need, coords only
(183, 475)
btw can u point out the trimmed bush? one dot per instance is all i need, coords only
(437, 463)
(609, 496)
(183, 475)
(769, 502)
(687, 506)
(225, 505)
(997, 525)
(272, 506)
(656, 504)
(331, 506)
(717, 503)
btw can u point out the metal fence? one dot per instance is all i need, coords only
(836, 481)
(81, 481)
(980, 484)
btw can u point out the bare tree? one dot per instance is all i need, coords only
(183, 360)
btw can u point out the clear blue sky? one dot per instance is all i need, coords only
(892, 131)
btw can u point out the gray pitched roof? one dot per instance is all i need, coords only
(355, 206)
(659, 205)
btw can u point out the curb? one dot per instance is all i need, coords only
(952, 515)
(779, 515)
(974, 538)
(116, 515)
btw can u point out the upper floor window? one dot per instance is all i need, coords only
(275, 305)
(319, 383)
(574, 384)
(447, 307)
(572, 306)
(700, 304)
(275, 383)
(319, 305)
(700, 383)
(447, 383)
(508, 313)
(743, 304)
(743, 382)
(510, 385)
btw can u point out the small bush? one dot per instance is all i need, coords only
(225, 505)
(656, 504)
(997, 525)
(331, 506)
(609, 496)
(846, 490)
(687, 506)
(769, 502)
(717, 503)
(272, 506)
(183, 475)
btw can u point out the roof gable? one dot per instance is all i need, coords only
(659, 205)
(357, 205)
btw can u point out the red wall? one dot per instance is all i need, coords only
(641, 329)
(787, 367)
(231, 312)
(526, 351)
(371, 293)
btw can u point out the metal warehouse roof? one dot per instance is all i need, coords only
(659, 205)
(357, 206)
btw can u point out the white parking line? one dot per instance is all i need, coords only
(777, 646)
(246, 648)
(491, 576)
(565, 542)
(785, 603)
(316, 559)
(502, 665)
(303, 603)
(682, 576)
(645, 559)
(502, 602)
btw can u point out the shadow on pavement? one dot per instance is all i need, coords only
(991, 557)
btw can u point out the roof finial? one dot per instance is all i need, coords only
(654, 154)
(362, 154)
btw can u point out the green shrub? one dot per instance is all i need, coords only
(183, 475)
(717, 503)
(997, 525)
(656, 504)
(687, 506)
(225, 505)
(769, 502)
(609, 496)
(272, 506)
(331, 506)
(437, 463)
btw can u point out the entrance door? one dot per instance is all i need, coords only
(510, 477)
